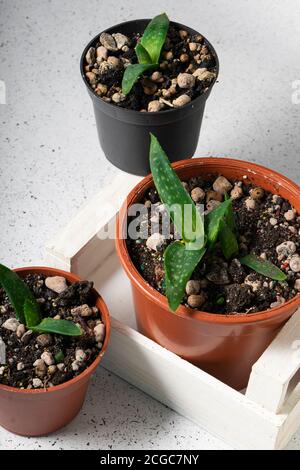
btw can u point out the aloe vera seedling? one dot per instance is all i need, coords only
(148, 51)
(181, 257)
(27, 308)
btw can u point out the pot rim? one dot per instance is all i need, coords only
(182, 311)
(133, 112)
(71, 277)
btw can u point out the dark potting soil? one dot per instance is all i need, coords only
(186, 70)
(39, 360)
(266, 226)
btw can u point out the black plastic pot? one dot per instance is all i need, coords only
(124, 133)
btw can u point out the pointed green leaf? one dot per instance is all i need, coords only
(178, 202)
(131, 75)
(229, 216)
(142, 54)
(213, 221)
(59, 357)
(228, 240)
(155, 35)
(31, 312)
(60, 327)
(264, 267)
(18, 293)
(180, 264)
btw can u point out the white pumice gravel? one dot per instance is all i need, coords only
(2, 352)
(181, 101)
(83, 310)
(45, 339)
(297, 284)
(80, 355)
(222, 185)
(203, 74)
(75, 366)
(40, 368)
(285, 249)
(47, 358)
(26, 337)
(185, 80)
(11, 324)
(120, 39)
(102, 53)
(154, 106)
(118, 97)
(212, 204)
(289, 215)
(52, 369)
(192, 287)
(255, 285)
(20, 330)
(109, 42)
(197, 194)
(196, 300)
(99, 332)
(155, 241)
(57, 284)
(250, 204)
(37, 383)
(236, 192)
(295, 263)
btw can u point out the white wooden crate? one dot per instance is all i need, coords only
(265, 417)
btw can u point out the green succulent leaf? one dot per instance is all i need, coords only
(31, 312)
(142, 54)
(155, 35)
(214, 220)
(180, 263)
(178, 202)
(264, 267)
(20, 296)
(60, 327)
(131, 75)
(59, 357)
(229, 216)
(228, 240)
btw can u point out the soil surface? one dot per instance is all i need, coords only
(39, 360)
(266, 226)
(186, 70)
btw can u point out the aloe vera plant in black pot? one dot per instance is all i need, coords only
(148, 76)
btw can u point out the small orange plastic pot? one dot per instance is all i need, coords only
(41, 412)
(225, 346)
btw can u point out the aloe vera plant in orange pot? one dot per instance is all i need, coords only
(54, 330)
(222, 326)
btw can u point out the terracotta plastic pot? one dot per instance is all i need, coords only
(40, 412)
(124, 133)
(226, 346)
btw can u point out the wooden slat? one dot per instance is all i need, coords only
(276, 373)
(82, 231)
(242, 421)
(191, 392)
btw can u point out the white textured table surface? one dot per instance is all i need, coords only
(50, 160)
